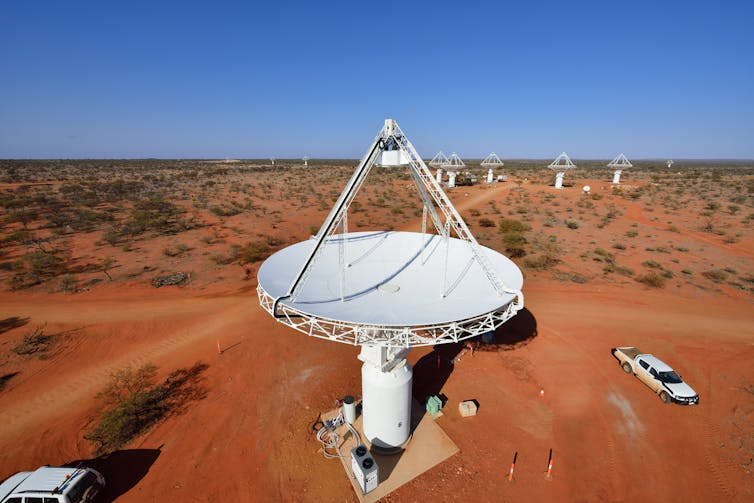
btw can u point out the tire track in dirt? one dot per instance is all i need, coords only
(61, 398)
(711, 436)
(614, 451)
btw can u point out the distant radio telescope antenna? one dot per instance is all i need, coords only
(619, 164)
(453, 166)
(306, 160)
(560, 165)
(438, 161)
(670, 162)
(389, 291)
(272, 160)
(492, 161)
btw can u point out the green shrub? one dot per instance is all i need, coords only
(224, 211)
(132, 403)
(254, 252)
(623, 270)
(541, 262)
(572, 224)
(507, 225)
(68, 283)
(486, 222)
(514, 244)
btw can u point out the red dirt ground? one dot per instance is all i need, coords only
(249, 439)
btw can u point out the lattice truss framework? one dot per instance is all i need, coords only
(562, 163)
(392, 138)
(439, 160)
(454, 163)
(492, 161)
(620, 162)
(445, 219)
(360, 335)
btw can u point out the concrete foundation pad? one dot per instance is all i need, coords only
(428, 447)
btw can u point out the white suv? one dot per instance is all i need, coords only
(52, 485)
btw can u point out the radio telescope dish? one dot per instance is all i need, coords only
(560, 165)
(454, 163)
(306, 160)
(390, 291)
(492, 161)
(619, 164)
(440, 159)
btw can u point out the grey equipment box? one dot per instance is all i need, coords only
(364, 469)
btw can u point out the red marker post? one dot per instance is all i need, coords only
(219, 349)
(548, 473)
(513, 465)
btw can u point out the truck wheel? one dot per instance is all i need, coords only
(627, 368)
(664, 397)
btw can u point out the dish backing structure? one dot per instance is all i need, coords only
(390, 291)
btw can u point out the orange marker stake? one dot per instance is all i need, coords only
(219, 349)
(513, 465)
(548, 474)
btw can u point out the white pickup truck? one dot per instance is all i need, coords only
(53, 485)
(657, 375)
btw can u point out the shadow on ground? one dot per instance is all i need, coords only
(513, 334)
(432, 370)
(122, 469)
(11, 323)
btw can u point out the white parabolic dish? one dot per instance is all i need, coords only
(389, 281)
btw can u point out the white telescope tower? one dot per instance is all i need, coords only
(453, 167)
(560, 165)
(492, 162)
(438, 161)
(619, 164)
(389, 291)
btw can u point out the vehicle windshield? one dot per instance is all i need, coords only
(670, 377)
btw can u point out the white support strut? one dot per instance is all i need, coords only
(391, 137)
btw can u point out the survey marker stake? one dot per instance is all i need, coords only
(548, 473)
(513, 465)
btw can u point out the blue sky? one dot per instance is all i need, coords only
(238, 79)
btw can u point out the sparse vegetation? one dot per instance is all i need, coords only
(716, 275)
(34, 342)
(133, 402)
(652, 279)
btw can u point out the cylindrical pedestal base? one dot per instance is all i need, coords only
(559, 180)
(616, 176)
(386, 405)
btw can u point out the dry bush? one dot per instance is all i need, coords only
(34, 342)
(716, 275)
(652, 279)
